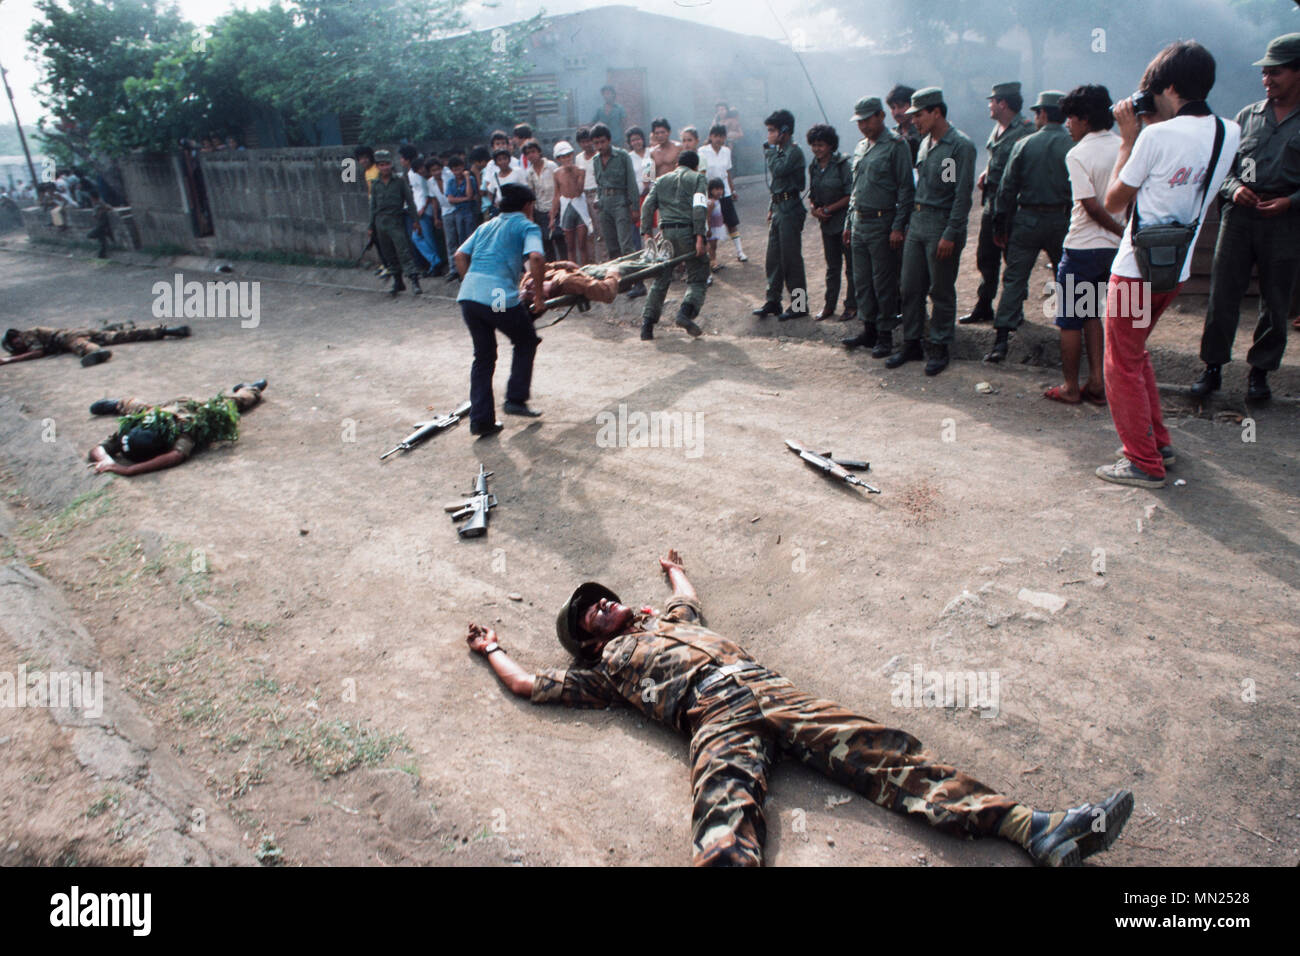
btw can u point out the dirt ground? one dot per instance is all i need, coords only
(288, 613)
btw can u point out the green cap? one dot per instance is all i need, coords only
(572, 637)
(867, 107)
(1285, 49)
(1048, 98)
(1002, 90)
(926, 98)
(383, 156)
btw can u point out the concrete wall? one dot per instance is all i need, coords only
(154, 187)
(37, 223)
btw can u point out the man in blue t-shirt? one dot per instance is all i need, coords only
(491, 261)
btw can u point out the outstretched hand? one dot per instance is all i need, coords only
(674, 560)
(479, 637)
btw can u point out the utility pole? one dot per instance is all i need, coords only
(31, 167)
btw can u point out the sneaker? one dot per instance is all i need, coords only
(1124, 472)
(741, 257)
(1166, 452)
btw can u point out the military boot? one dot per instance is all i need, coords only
(1065, 839)
(884, 345)
(260, 384)
(909, 352)
(685, 319)
(105, 406)
(1001, 345)
(415, 285)
(398, 285)
(179, 332)
(1211, 380)
(647, 330)
(95, 357)
(1257, 389)
(938, 359)
(866, 339)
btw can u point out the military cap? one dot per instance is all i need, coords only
(925, 98)
(867, 107)
(1281, 50)
(1002, 90)
(1048, 98)
(567, 628)
(383, 156)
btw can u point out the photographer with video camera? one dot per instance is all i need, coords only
(1174, 154)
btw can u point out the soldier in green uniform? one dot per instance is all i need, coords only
(785, 218)
(899, 102)
(1260, 227)
(620, 195)
(945, 185)
(1032, 212)
(154, 437)
(879, 208)
(741, 717)
(28, 344)
(830, 183)
(681, 198)
(390, 203)
(1005, 103)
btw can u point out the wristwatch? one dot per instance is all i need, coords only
(494, 646)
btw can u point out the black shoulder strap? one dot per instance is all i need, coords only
(1205, 183)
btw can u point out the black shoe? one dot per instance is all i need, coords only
(789, 314)
(867, 339)
(1085, 830)
(520, 408)
(452, 276)
(260, 384)
(398, 285)
(768, 308)
(415, 286)
(95, 357)
(938, 359)
(485, 428)
(684, 322)
(910, 352)
(1257, 389)
(1211, 380)
(647, 330)
(180, 332)
(636, 291)
(884, 345)
(1000, 346)
(976, 316)
(105, 406)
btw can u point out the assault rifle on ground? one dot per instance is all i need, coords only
(427, 429)
(475, 507)
(829, 466)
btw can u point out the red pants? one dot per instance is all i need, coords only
(1131, 313)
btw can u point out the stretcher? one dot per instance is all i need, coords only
(632, 268)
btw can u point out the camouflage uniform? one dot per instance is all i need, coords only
(182, 408)
(83, 342)
(739, 725)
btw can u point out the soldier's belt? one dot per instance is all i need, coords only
(873, 213)
(1046, 207)
(612, 190)
(782, 197)
(676, 225)
(722, 673)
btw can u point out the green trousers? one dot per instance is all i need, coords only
(924, 273)
(393, 244)
(1031, 232)
(875, 272)
(682, 241)
(616, 226)
(785, 253)
(1248, 239)
(988, 260)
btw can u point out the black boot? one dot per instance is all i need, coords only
(260, 384)
(766, 309)
(647, 330)
(398, 285)
(1000, 346)
(637, 291)
(95, 357)
(1081, 832)
(180, 332)
(415, 285)
(1257, 389)
(867, 339)
(910, 352)
(686, 313)
(938, 359)
(1211, 380)
(105, 406)
(884, 345)
(981, 313)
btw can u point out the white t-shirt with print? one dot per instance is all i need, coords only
(1166, 167)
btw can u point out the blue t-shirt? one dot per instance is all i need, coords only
(496, 253)
(463, 211)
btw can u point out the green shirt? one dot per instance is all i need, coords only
(681, 197)
(882, 178)
(999, 146)
(1273, 150)
(945, 179)
(828, 184)
(616, 178)
(785, 169)
(1036, 174)
(389, 200)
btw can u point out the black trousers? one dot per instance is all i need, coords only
(516, 323)
(988, 260)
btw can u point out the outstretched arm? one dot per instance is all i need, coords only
(672, 566)
(517, 680)
(23, 357)
(103, 461)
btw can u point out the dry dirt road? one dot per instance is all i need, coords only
(285, 617)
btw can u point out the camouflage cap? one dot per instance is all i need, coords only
(867, 107)
(1281, 51)
(1048, 98)
(925, 98)
(572, 637)
(1003, 90)
(383, 156)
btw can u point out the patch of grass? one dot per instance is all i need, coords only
(333, 747)
(196, 709)
(268, 852)
(82, 510)
(108, 801)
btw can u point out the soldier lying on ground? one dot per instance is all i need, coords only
(742, 716)
(39, 342)
(154, 437)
